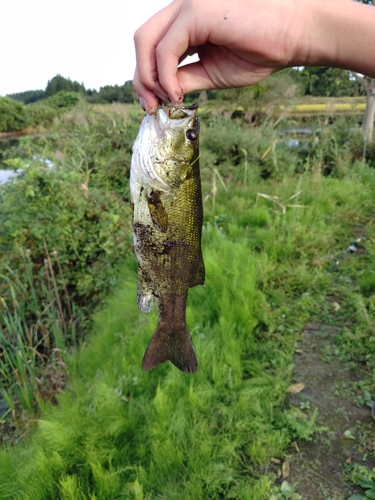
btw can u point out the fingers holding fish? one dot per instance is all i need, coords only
(146, 40)
(241, 42)
(228, 45)
(149, 95)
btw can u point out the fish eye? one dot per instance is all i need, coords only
(191, 135)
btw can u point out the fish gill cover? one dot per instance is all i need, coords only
(167, 225)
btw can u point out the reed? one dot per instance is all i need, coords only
(33, 335)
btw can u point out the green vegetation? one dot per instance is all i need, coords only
(280, 89)
(333, 82)
(58, 84)
(28, 96)
(40, 107)
(366, 479)
(75, 208)
(278, 217)
(63, 231)
(15, 116)
(167, 432)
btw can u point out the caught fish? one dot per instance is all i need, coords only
(167, 225)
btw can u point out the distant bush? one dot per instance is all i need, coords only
(13, 115)
(64, 99)
(41, 112)
(231, 148)
(113, 93)
(99, 142)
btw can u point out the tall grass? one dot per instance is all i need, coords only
(32, 337)
(119, 432)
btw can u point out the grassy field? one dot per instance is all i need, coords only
(328, 103)
(327, 108)
(276, 261)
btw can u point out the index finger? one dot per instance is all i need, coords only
(183, 37)
(146, 39)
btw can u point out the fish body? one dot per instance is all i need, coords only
(167, 226)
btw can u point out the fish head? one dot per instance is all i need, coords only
(167, 146)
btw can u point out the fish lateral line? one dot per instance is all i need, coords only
(167, 217)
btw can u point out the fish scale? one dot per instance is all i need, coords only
(167, 225)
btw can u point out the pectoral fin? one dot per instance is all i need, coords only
(145, 297)
(158, 213)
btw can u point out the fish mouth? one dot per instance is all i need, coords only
(155, 130)
(191, 107)
(177, 112)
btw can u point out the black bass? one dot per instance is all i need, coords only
(167, 225)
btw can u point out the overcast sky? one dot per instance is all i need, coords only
(88, 41)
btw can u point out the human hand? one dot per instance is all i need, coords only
(237, 41)
(241, 42)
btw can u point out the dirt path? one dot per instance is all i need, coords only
(317, 470)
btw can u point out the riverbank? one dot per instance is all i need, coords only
(278, 224)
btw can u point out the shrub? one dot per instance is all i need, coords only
(87, 228)
(13, 115)
(64, 99)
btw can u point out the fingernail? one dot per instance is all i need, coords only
(143, 103)
(178, 98)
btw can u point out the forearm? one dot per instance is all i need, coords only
(341, 33)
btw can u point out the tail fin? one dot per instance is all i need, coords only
(171, 343)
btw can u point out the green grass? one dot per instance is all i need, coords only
(269, 247)
(119, 432)
(28, 350)
(120, 429)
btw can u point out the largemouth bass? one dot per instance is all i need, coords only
(167, 225)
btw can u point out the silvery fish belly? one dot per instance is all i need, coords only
(167, 224)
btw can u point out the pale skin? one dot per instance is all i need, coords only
(241, 42)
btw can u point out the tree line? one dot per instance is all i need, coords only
(108, 93)
(62, 92)
(314, 81)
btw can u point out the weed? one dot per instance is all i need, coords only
(26, 346)
(285, 492)
(119, 432)
(366, 479)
